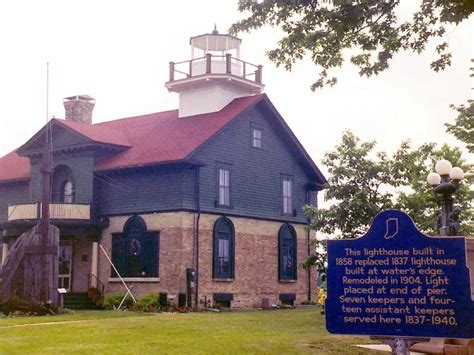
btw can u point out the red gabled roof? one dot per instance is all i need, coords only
(148, 139)
(14, 167)
(163, 137)
(98, 133)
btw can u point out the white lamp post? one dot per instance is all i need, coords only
(445, 182)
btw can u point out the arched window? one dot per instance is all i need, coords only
(67, 192)
(135, 251)
(63, 185)
(223, 249)
(287, 262)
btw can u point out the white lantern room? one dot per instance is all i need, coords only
(214, 76)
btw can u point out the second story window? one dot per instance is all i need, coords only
(287, 195)
(223, 188)
(256, 138)
(68, 192)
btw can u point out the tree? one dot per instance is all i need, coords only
(363, 182)
(357, 188)
(357, 192)
(411, 167)
(463, 127)
(324, 29)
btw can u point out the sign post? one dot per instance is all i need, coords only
(399, 285)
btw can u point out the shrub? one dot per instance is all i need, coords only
(147, 303)
(112, 300)
(19, 307)
(322, 295)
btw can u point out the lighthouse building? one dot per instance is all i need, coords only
(204, 203)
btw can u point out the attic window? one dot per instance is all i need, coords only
(257, 138)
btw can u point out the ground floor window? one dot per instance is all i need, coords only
(135, 251)
(287, 253)
(223, 249)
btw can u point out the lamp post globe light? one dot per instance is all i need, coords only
(445, 181)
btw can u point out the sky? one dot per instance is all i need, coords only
(118, 52)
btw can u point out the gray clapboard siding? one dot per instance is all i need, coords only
(150, 190)
(12, 194)
(255, 173)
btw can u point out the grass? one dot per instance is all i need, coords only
(268, 332)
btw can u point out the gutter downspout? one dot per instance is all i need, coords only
(308, 232)
(308, 237)
(196, 258)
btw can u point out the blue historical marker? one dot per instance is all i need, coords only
(395, 281)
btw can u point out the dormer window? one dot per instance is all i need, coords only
(67, 192)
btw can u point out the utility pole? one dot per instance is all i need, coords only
(46, 172)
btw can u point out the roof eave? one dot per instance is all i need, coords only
(9, 181)
(151, 164)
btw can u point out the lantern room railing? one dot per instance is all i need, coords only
(72, 211)
(215, 64)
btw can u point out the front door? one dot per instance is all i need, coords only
(65, 266)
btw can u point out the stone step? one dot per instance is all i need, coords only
(78, 300)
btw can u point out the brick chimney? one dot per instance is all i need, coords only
(79, 108)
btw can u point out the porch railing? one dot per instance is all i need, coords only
(215, 64)
(56, 211)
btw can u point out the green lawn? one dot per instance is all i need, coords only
(106, 332)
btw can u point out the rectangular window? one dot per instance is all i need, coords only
(256, 138)
(287, 196)
(223, 177)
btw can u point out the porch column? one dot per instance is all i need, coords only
(4, 252)
(94, 266)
